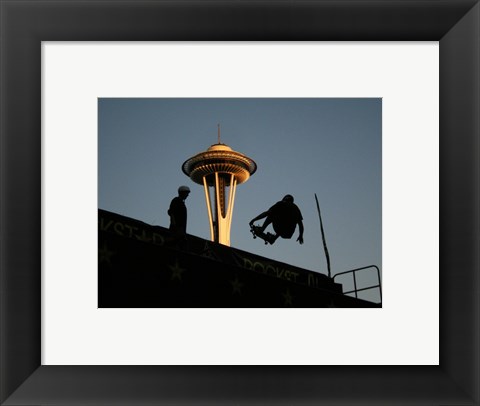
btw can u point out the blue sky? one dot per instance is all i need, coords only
(331, 147)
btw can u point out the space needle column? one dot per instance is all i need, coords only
(220, 168)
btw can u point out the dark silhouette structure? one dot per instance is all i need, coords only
(137, 268)
(284, 217)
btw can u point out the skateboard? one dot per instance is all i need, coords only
(267, 237)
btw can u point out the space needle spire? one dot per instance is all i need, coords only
(220, 169)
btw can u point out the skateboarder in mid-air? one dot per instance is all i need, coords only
(284, 217)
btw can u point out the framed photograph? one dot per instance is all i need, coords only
(249, 360)
(138, 267)
(273, 149)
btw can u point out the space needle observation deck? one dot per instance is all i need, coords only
(222, 169)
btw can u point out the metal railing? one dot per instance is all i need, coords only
(356, 290)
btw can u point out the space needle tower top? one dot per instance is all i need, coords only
(219, 167)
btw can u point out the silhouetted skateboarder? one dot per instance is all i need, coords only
(284, 217)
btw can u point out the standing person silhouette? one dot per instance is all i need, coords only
(284, 217)
(178, 215)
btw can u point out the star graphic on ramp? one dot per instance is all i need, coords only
(105, 255)
(177, 271)
(287, 296)
(236, 286)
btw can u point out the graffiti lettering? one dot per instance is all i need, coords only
(312, 280)
(158, 239)
(269, 269)
(118, 228)
(129, 231)
(103, 226)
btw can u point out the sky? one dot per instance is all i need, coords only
(331, 147)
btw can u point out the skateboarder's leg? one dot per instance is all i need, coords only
(272, 238)
(265, 224)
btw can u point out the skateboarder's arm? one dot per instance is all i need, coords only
(300, 232)
(260, 216)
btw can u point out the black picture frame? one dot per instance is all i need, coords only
(24, 24)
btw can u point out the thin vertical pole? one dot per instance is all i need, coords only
(355, 284)
(323, 238)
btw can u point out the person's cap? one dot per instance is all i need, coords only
(288, 198)
(183, 189)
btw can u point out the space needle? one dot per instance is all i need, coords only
(219, 167)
